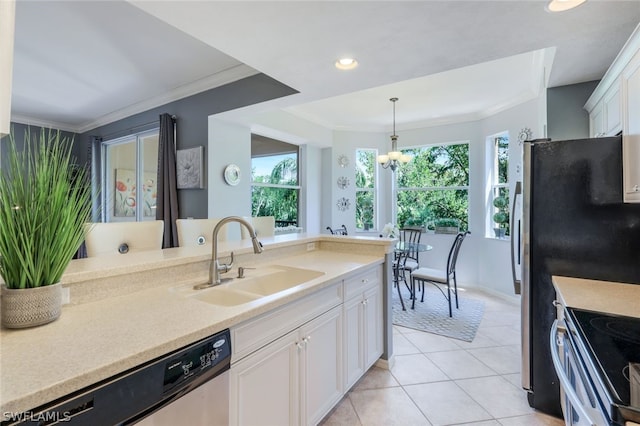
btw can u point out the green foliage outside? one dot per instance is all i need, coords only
(365, 179)
(423, 195)
(45, 200)
(282, 203)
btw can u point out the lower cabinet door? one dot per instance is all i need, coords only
(353, 340)
(264, 386)
(373, 325)
(321, 365)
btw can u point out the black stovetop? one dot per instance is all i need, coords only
(614, 342)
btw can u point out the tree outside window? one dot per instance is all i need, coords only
(499, 206)
(274, 187)
(433, 189)
(366, 189)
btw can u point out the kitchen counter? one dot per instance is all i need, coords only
(131, 319)
(601, 296)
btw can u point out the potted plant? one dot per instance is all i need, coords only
(446, 226)
(501, 217)
(45, 200)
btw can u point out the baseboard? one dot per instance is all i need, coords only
(515, 299)
(387, 364)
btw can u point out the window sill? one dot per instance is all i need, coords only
(491, 237)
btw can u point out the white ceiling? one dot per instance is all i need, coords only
(445, 60)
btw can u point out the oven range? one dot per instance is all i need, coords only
(608, 347)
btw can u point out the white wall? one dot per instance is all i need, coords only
(228, 143)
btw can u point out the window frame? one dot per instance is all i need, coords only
(107, 191)
(295, 188)
(494, 185)
(373, 190)
(397, 189)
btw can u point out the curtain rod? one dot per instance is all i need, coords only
(130, 129)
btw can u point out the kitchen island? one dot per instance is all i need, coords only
(126, 310)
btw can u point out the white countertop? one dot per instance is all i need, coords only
(96, 340)
(600, 296)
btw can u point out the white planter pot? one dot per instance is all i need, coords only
(30, 307)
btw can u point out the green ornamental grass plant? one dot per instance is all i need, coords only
(45, 200)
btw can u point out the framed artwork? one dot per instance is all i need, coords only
(125, 193)
(189, 168)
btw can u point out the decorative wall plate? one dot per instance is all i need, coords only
(232, 174)
(343, 161)
(343, 204)
(343, 182)
(524, 134)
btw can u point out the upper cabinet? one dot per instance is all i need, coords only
(7, 24)
(631, 129)
(614, 107)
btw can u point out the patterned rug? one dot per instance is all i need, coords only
(432, 315)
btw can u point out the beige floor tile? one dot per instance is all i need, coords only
(535, 419)
(413, 369)
(516, 379)
(429, 342)
(376, 378)
(497, 395)
(342, 415)
(504, 334)
(444, 403)
(501, 359)
(402, 345)
(485, 423)
(460, 364)
(480, 341)
(386, 407)
(497, 318)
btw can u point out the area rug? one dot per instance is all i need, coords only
(432, 315)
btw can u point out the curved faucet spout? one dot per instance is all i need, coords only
(215, 268)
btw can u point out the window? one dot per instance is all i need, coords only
(498, 211)
(274, 180)
(366, 189)
(129, 164)
(433, 188)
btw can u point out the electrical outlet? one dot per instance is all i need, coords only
(311, 246)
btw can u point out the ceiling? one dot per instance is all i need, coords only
(444, 60)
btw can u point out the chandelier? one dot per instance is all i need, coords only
(393, 158)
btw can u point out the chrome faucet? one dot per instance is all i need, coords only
(215, 269)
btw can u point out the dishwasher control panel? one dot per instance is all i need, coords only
(191, 363)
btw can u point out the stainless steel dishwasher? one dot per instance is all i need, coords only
(187, 386)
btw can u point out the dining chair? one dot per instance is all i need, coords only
(265, 226)
(123, 237)
(197, 232)
(440, 277)
(411, 236)
(338, 231)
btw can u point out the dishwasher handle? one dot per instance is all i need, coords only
(555, 341)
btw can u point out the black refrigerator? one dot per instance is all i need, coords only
(573, 223)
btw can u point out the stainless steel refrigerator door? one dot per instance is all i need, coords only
(516, 238)
(525, 301)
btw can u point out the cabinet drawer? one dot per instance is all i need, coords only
(361, 282)
(257, 332)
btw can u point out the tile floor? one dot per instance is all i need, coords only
(441, 381)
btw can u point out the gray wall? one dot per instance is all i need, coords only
(566, 116)
(18, 130)
(192, 125)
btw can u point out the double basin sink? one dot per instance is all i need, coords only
(257, 283)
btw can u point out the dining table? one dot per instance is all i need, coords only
(401, 250)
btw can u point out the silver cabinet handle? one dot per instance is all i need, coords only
(516, 281)
(554, 344)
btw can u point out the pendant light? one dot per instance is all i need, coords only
(394, 158)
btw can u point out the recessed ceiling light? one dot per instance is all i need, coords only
(562, 5)
(346, 63)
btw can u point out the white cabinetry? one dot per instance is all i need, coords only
(363, 324)
(614, 106)
(631, 130)
(298, 376)
(604, 118)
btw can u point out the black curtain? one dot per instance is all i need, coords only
(167, 200)
(91, 169)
